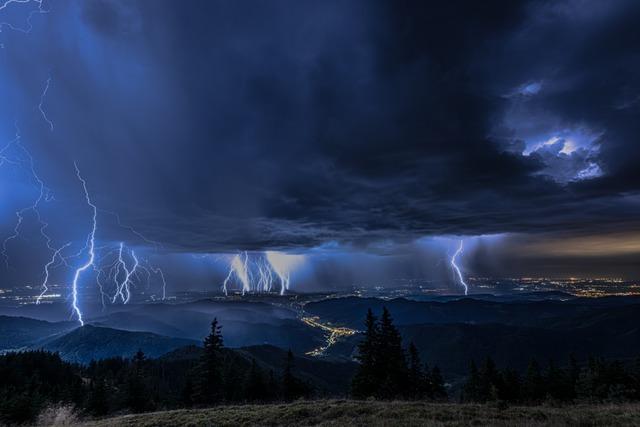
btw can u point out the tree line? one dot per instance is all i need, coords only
(387, 370)
(30, 381)
(213, 374)
(597, 381)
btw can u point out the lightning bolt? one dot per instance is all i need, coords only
(280, 269)
(160, 273)
(238, 267)
(45, 281)
(456, 269)
(265, 275)
(44, 193)
(29, 27)
(131, 229)
(89, 246)
(123, 289)
(40, 105)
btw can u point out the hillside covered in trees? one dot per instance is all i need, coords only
(200, 377)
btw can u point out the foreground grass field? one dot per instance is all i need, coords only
(355, 413)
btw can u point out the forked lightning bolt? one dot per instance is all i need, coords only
(44, 194)
(457, 269)
(40, 10)
(123, 290)
(90, 247)
(238, 267)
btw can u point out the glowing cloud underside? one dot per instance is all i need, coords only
(456, 269)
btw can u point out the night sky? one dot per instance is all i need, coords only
(367, 136)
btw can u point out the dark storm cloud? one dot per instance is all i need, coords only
(250, 125)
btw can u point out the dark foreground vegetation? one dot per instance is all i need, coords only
(387, 371)
(598, 381)
(31, 381)
(215, 376)
(383, 413)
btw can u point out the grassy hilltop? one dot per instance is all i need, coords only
(371, 413)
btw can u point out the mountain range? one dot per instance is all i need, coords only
(449, 332)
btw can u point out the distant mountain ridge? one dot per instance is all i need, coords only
(89, 342)
(349, 311)
(21, 332)
(448, 333)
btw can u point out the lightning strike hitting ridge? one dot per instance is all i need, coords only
(457, 269)
(90, 246)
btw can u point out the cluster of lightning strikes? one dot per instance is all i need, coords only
(115, 270)
(261, 272)
(456, 269)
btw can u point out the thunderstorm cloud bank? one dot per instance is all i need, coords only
(318, 127)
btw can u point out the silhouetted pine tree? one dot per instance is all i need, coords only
(232, 380)
(490, 381)
(97, 401)
(292, 387)
(365, 381)
(635, 378)
(417, 380)
(573, 375)
(273, 387)
(186, 396)
(383, 370)
(557, 385)
(255, 386)
(533, 387)
(471, 391)
(209, 387)
(438, 390)
(137, 396)
(390, 359)
(511, 385)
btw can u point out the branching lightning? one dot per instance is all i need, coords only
(123, 289)
(44, 193)
(132, 230)
(280, 266)
(40, 10)
(456, 269)
(238, 267)
(120, 273)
